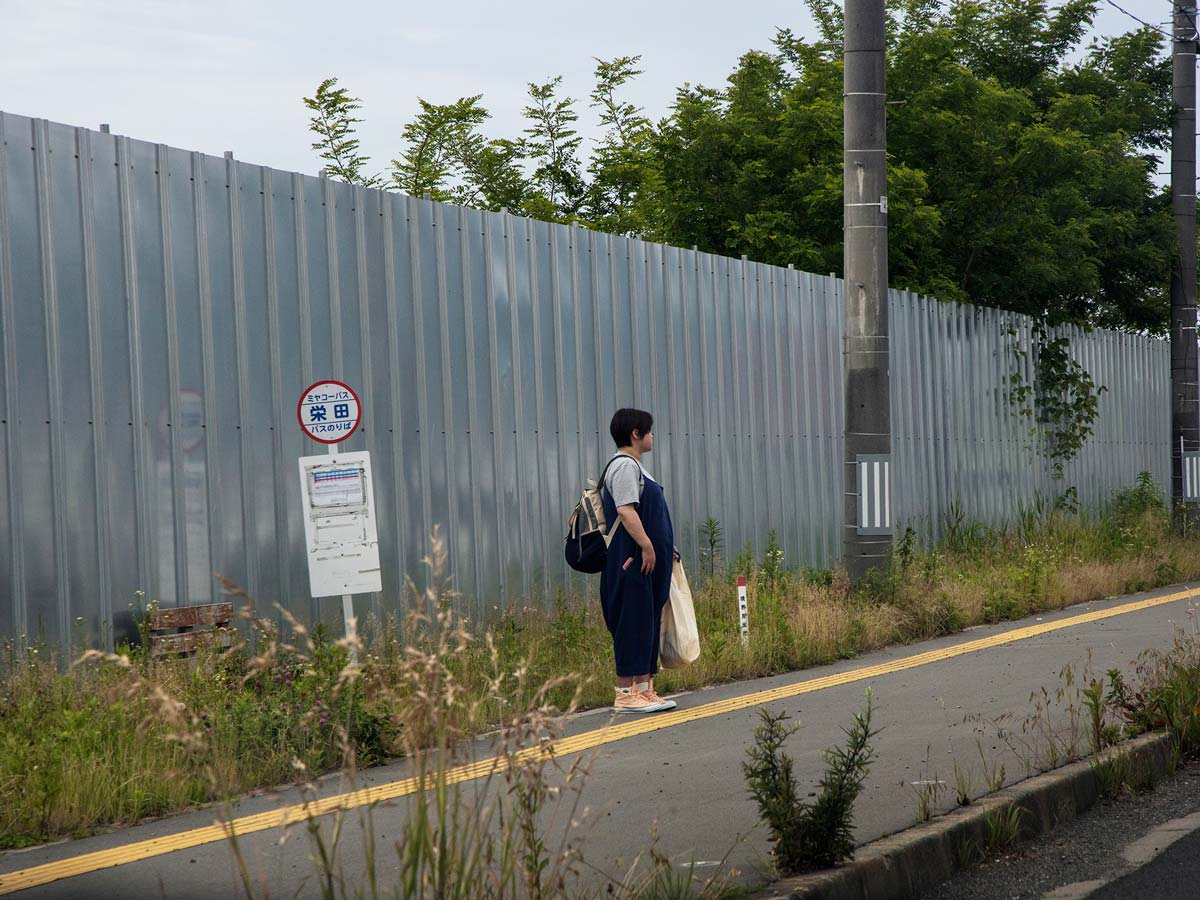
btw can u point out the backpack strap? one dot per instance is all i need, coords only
(612, 532)
(604, 474)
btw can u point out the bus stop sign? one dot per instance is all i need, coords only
(329, 411)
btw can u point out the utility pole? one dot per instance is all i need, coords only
(1185, 399)
(868, 511)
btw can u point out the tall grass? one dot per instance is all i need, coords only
(114, 739)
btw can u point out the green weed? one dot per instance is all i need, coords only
(1002, 830)
(808, 835)
(1114, 775)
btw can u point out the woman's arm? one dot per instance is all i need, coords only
(633, 524)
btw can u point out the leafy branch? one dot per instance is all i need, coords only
(1061, 403)
(333, 123)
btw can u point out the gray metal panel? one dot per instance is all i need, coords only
(172, 304)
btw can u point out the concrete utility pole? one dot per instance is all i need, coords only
(868, 516)
(1185, 400)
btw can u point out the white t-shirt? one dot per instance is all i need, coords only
(624, 480)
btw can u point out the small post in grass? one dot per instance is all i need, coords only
(743, 610)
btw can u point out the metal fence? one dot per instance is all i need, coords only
(162, 310)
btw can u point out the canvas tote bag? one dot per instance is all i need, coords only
(679, 640)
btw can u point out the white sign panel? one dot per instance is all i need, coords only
(329, 411)
(339, 524)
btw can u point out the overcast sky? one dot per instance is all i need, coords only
(223, 75)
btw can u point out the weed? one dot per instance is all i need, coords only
(1003, 604)
(994, 775)
(929, 789)
(878, 586)
(60, 726)
(665, 880)
(711, 545)
(817, 835)
(1168, 693)
(1002, 829)
(1050, 733)
(450, 845)
(963, 536)
(743, 564)
(968, 852)
(772, 562)
(1097, 706)
(963, 785)
(817, 577)
(1114, 775)
(1068, 500)
(905, 552)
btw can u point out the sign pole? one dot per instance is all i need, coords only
(743, 610)
(347, 599)
(346, 556)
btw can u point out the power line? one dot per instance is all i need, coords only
(1121, 9)
(1179, 7)
(1191, 19)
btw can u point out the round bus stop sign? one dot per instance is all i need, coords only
(329, 411)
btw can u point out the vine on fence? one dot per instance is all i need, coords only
(1063, 401)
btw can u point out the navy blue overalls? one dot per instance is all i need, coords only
(633, 602)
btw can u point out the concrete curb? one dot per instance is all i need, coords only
(904, 865)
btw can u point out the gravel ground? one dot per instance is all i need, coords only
(1088, 848)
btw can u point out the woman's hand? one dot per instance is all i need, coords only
(648, 559)
(633, 525)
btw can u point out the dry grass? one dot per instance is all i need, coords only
(112, 741)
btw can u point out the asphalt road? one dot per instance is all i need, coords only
(1173, 875)
(1140, 847)
(938, 703)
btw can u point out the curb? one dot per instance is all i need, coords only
(904, 865)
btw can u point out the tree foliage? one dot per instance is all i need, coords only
(1021, 162)
(551, 144)
(333, 123)
(1017, 179)
(624, 179)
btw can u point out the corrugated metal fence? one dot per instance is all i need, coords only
(162, 310)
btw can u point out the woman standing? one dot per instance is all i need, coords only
(636, 581)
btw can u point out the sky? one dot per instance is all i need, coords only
(224, 75)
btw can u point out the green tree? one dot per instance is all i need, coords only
(492, 178)
(625, 179)
(1017, 178)
(1040, 169)
(551, 144)
(1020, 162)
(756, 168)
(333, 123)
(437, 141)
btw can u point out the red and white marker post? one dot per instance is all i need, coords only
(743, 610)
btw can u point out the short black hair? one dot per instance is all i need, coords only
(626, 421)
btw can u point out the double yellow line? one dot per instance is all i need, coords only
(148, 849)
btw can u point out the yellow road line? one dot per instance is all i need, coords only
(147, 849)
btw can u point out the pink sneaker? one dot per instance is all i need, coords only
(631, 700)
(646, 689)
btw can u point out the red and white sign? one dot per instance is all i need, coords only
(329, 411)
(743, 610)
